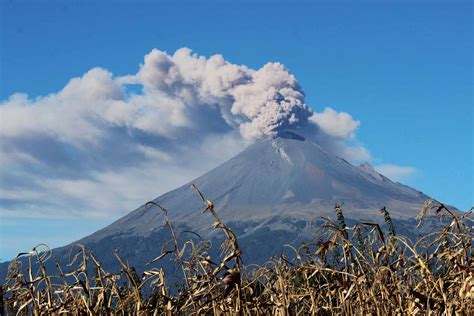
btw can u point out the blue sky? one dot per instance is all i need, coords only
(403, 69)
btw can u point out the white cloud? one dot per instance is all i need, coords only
(339, 125)
(396, 173)
(355, 153)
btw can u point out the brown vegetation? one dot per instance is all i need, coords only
(346, 270)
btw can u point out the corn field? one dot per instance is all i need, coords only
(356, 270)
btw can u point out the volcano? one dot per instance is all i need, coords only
(276, 187)
(269, 195)
(285, 178)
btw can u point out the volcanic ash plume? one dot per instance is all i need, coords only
(260, 103)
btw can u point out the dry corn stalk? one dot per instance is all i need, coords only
(345, 270)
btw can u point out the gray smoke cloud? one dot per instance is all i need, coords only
(102, 145)
(260, 103)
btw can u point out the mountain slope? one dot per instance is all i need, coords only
(285, 177)
(271, 194)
